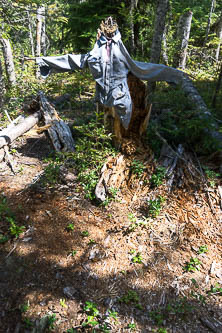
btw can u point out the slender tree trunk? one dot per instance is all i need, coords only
(209, 21)
(1, 85)
(133, 4)
(40, 12)
(43, 37)
(30, 34)
(165, 56)
(9, 63)
(183, 34)
(159, 26)
(219, 35)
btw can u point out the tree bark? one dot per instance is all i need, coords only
(183, 34)
(133, 4)
(9, 63)
(39, 17)
(209, 21)
(165, 56)
(30, 34)
(159, 26)
(1, 85)
(43, 37)
(59, 132)
(219, 35)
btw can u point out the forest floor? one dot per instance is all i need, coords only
(117, 268)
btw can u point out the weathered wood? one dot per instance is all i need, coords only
(140, 114)
(59, 132)
(113, 174)
(212, 323)
(12, 132)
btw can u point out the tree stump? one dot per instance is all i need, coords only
(139, 121)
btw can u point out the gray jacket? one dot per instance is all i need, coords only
(110, 62)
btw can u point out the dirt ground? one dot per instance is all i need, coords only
(50, 270)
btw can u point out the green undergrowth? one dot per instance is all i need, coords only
(92, 146)
(10, 227)
(176, 119)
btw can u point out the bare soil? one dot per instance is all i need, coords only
(40, 269)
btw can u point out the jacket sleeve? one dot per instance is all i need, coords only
(61, 64)
(151, 72)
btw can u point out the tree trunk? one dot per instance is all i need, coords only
(43, 37)
(139, 120)
(133, 4)
(40, 13)
(1, 85)
(30, 34)
(219, 35)
(209, 21)
(9, 64)
(159, 26)
(165, 56)
(183, 34)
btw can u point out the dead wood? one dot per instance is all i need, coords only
(8, 135)
(212, 323)
(113, 174)
(140, 114)
(58, 131)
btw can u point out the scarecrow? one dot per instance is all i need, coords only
(110, 64)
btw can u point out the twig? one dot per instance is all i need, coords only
(10, 162)
(6, 112)
(13, 249)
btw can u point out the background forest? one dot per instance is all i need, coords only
(147, 258)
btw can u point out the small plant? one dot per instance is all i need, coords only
(135, 223)
(91, 242)
(70, 227)
(137, 168)
(155, 206)
(157, 316)
(51, 321)
(200, 298)
(73, 253)
(158, 177)
(217, 290)
(28, 323)
(202, 249)
(113, 314)
(24, 307)
(62, 302)
(14, 229)
(137, 259)
(85, 233)
(131, 298)
(192, 265)
(70, 330)
(131, 326)
(211, 176)
(92, 312)
(51, 174)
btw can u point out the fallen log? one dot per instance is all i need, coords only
(202, 110)
(58, 131)
(8, 135)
